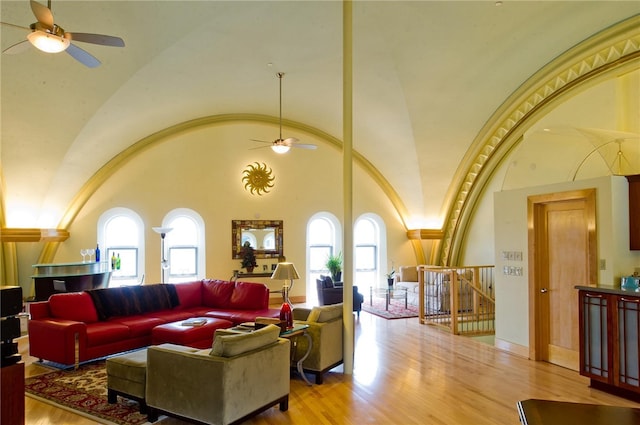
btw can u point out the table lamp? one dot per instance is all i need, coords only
(286, 272)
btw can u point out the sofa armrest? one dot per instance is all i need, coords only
(212, 389)
(327, 346)
(55, 339)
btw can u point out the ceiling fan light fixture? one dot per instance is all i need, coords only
(47, 42)
(280, 148)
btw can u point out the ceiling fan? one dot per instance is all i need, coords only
(281, 145)
(48, 37)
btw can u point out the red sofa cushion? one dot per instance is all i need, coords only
(77, 306)
(217, 293)
(190, 294)
(249, 296)
(106, 333)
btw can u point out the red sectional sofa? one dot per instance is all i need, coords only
(112, 320)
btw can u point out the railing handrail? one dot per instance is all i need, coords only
(469, 311)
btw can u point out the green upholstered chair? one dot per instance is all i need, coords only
(242, 375)
(325, 328)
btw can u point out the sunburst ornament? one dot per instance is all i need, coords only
(258, 178)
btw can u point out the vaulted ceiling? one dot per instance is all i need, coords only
(428, 75)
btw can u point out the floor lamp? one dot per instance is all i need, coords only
(286, 272)
(164, 264)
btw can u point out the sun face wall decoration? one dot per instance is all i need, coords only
(258, 178)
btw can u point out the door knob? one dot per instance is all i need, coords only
(544, 290)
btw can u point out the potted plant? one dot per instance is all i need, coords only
(334, 265)
(248, 257)
(391, 277)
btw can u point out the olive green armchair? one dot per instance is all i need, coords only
(242, 375)
(325, 329)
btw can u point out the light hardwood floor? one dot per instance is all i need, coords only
(407, 373)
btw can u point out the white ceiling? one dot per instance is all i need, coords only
(427, 77)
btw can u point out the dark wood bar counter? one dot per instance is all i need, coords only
(548, 412)
(69, 277)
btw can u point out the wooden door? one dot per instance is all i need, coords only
(564, 256)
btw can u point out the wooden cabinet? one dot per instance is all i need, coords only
(12, 390)
(609, 340)
(634, 211)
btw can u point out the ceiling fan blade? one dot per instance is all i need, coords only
(17, 48)
(259, 147)
(15, 26)
(304, 146)
(43, 13)
(82, 56)
(104, 40)
(261, 141)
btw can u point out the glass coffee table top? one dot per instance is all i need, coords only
(388, 294)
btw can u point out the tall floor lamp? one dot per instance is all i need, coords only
(286, 272)
(164, 264)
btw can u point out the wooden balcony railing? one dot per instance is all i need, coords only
(460, 299)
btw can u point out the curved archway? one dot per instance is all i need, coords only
(609, 52)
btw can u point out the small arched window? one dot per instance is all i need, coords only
(121, 237)
(184, 245)
(369, 237)
(324, 238)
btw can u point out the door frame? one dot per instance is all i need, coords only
(538, 258)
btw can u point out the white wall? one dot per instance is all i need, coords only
(510, 218)
(202, 170)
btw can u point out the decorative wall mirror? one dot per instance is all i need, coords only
(265, 236)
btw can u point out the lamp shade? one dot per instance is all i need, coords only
(280, 148)
(46, 42)
(285, 271)
(162, 230)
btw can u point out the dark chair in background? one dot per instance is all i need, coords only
(330, 294)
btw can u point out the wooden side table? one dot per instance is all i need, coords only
(293, 334)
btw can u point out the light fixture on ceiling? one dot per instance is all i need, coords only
(49, 42)
(280, 148)
(281, 145)
(277, 147)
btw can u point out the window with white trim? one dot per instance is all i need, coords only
(121, 237)
(369, 236)
(184, 246)
(324, 238)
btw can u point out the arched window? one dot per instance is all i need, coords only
(370, 241)
(184, 245)
(324, 238)
(121, 237)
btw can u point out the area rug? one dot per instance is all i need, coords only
(84, 392)
(396, 309)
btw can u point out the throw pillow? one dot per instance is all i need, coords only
(225, 345)
(325, 313)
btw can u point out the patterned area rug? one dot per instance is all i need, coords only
(396, 308)
(84, 392)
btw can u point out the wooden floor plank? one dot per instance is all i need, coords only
(406, 373)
